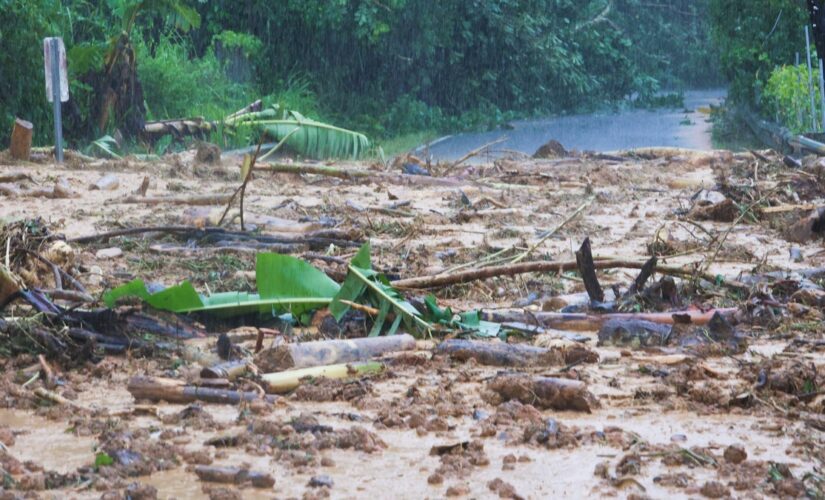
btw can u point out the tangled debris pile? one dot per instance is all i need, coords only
(647, 322)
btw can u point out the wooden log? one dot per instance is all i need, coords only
(593, 322)
(176, 391)
(234, 475)
(229, 370)
(498, 353)
(283, 382)
(543, 392)
(328, 352)
(21, 140)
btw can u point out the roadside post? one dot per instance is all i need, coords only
(57, 86)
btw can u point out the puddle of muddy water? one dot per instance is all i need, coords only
(46, 442)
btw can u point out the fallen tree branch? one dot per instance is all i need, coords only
(441, 280)
(208, 199)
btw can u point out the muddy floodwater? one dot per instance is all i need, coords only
(686, 127)
(727, 403)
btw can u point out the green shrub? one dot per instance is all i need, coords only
(177, 86)
(786, 98)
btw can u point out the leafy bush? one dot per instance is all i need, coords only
(177, 86)
(753, 37)
(786, 98)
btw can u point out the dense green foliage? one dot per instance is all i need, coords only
(386, 68)
(786, 98)
(753, 37)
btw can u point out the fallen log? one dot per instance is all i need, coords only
(208, 199)
(283, 382)
(234, 475)
(593, 322)
(229, 370)
(176, 391)
(498, 353)
(328, 352)
(21, 140)
(542, 392)
(442, 280)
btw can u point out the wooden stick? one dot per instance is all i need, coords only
(46, 372)
(790, 208)
(478, 150)
(553, 231)
(209, 199)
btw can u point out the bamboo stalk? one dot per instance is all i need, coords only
(283, 382)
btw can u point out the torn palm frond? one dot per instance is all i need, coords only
(366, 286)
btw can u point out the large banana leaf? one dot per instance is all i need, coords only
(308, 137)
(285, 284)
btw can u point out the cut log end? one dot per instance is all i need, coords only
(21, 140)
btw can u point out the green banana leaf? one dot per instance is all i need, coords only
(468, 321)
(364, 285)
(308, 137)
(285, 284)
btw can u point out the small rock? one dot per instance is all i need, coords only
(109, 253)
(735, 454)
(457, 491)
(321, 482)
(714, 489)
(137, 491)
(435, 478)
(327, 462)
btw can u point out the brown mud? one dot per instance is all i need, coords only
(729, 418)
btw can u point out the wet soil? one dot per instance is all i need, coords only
(669, 423)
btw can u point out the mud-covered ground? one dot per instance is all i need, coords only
(717, 420)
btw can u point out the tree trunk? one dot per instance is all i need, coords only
(21, 140)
